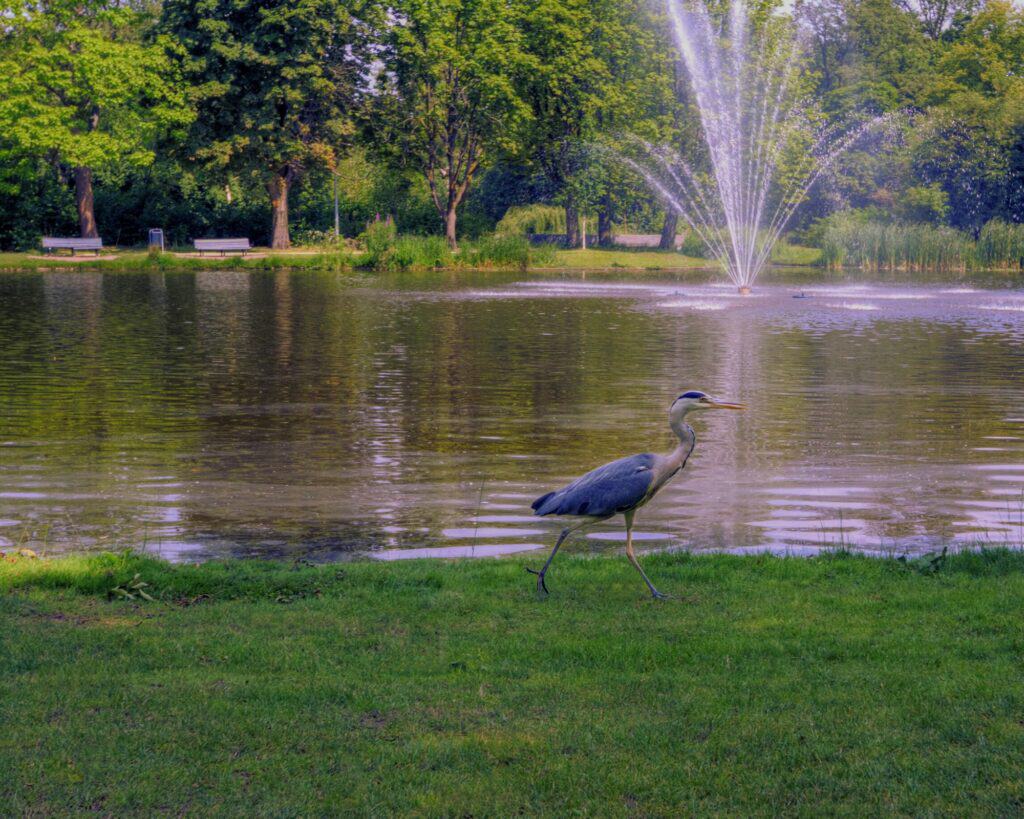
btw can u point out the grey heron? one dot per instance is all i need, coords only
(623, 486)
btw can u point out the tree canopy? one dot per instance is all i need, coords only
(273, 84)
(84, 91)
(237, 116)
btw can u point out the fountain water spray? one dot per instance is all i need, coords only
(753, 114)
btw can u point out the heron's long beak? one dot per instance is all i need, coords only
(726, 405)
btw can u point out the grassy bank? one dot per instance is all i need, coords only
(835, 685)
(131, 260)
(407, 253)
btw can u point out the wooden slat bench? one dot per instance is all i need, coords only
(52, 243)
(222, 246)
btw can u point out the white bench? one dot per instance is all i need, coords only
(222, 246)
(52, 243)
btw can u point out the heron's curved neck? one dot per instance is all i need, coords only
(687, 441)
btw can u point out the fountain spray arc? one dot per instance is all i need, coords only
(752, 114)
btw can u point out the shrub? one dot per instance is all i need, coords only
(694, 246)
(523, 219)
(422, 251)
(499, 251)
(380, 239)
(924, 203)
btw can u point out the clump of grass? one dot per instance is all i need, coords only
(386, 250)
(507, 251)
(422, 252)
(1001, 245)
(849, 241)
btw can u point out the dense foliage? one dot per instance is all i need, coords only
(236, 117)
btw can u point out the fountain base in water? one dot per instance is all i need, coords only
(744, 290)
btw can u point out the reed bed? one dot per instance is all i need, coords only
(876, 246)
(1001, 245)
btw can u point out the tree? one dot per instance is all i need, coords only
(936, 16)
(599, 70)
(564, 88)
(825, 25)
(84, 91)
(449, 102)
(275, 82)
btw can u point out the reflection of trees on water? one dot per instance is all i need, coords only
(280, 409)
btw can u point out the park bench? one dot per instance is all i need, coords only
(52, 243)
(222, 246)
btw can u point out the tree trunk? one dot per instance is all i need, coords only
(668, 231)
(280, 184)
(604, 222)
(572, 224)
(84, 201)
(450, 220)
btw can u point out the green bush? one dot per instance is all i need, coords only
(422, 251)
(694, 246)
(520, 220)
(924, 203)
(380, 239)
(499, 251)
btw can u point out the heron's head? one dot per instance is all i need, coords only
(693, 400)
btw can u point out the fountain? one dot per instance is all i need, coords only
(745, 85)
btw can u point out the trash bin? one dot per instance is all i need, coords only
(156, 240)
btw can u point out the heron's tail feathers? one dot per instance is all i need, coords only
(543, 505)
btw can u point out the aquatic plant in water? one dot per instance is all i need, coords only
(764, 147)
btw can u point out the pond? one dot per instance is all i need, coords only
(327, 416)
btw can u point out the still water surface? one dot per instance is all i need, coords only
(327, 416)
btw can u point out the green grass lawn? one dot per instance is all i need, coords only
(796, 255)
(615, 258)
(133, 260)
(833, 686)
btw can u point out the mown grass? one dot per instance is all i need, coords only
(129, 261)
(788, 254)
(620, 258)
(838, 685)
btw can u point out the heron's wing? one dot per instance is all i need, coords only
(614, 487)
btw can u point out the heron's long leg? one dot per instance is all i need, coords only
(568, 530)
(632, 557)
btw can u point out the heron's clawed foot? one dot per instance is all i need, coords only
(541, 585)
(657, 595)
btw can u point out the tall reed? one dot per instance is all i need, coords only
(1001, 245)
(851, 242)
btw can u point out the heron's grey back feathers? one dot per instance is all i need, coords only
(615, 487)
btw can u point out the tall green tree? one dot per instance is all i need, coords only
(937, 16)
(449, 102)
(84, 90)
(598, 70)
(274, 83)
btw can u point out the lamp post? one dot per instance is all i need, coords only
(337, 221)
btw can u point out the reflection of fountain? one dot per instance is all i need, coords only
(754, 120)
